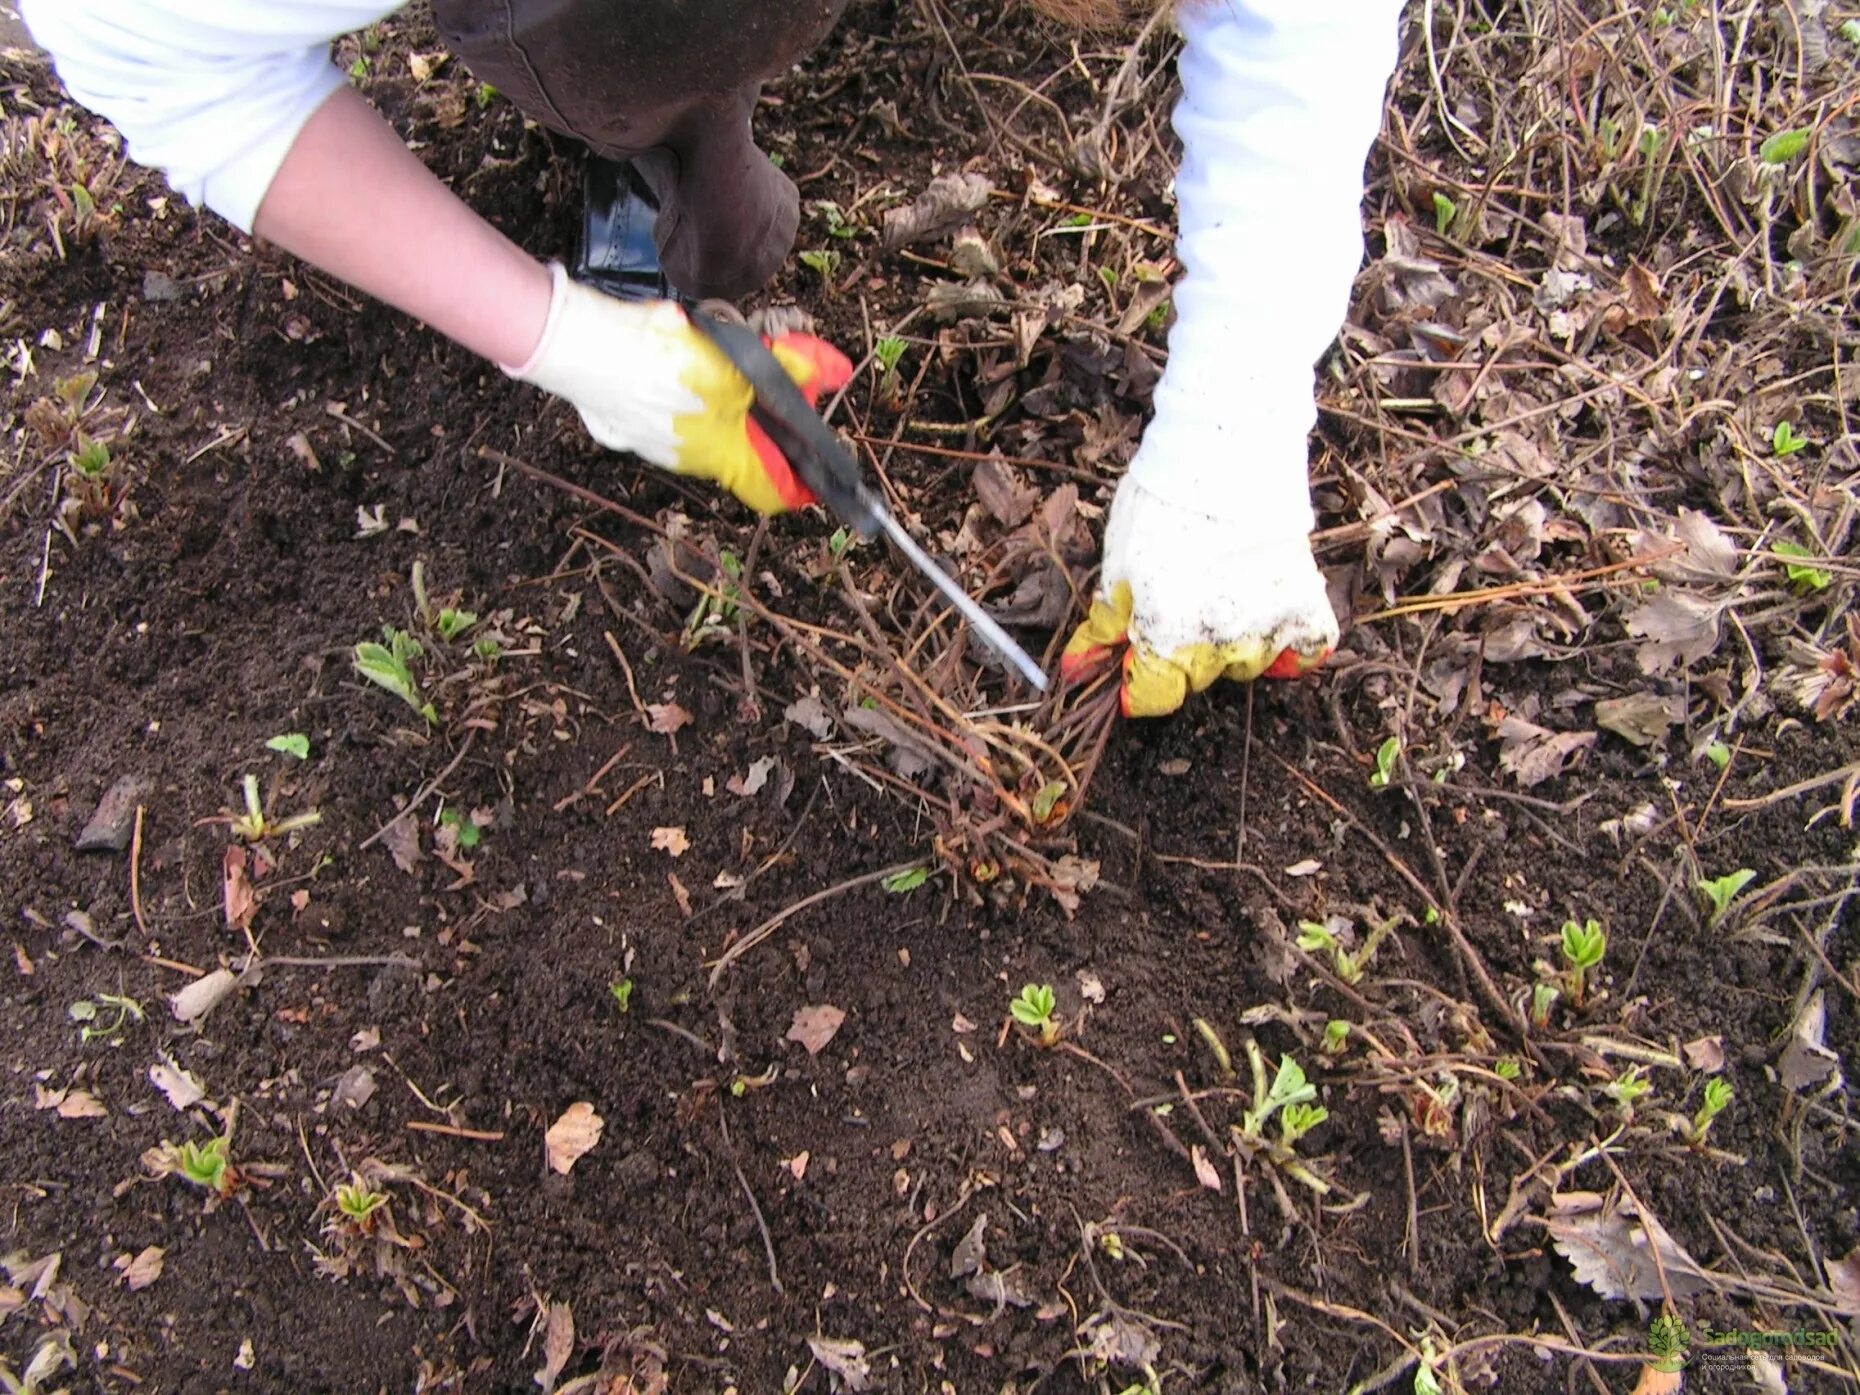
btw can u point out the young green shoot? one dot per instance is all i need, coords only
(1348, 964)
(1445, 211)
(902, 883)
(104, 1019)
(824, 262)
(208, 1165)
(1297, 1120)
(1289, 1088)
(1583, 947)
(357, 1203)
(1210, 1038)
(889, 353)
(1508, 1068)
(451, 623)
(1336, 1037)
(465, 828)
(255, 825)
(1784, 146)
(390, 666)
(1718, 892)
(1628, 1089)
(1386, 755)
(1033, 1009)
(1805, 578)
(293, 743)
(1785, 440)
(621, 990)
(1543, 998)
(1717, 1098)
(1718, 754)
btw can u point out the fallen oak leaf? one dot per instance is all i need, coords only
(814, 1026)
(671, 840)
(570, 1137)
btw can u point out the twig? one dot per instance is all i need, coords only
(424, 793)
(631, 691)
(454, 1131)
(135, 875)
(351, 422)
(776, 921)
(768, 1244)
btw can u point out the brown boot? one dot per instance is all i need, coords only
(669, 85)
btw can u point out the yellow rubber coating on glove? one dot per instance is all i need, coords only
(714, 443)
(1157, 684)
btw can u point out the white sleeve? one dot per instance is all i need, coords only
(210, 92)
(1281, 101)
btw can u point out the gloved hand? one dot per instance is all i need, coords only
(645, 381)
(1207, 568)
(1188, 597)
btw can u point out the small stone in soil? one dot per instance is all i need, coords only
(110, 827)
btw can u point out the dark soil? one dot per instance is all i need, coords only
(218, 606)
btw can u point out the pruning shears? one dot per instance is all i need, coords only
(828, 468)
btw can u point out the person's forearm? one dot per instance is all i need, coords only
(1281, 102)
(352, 200)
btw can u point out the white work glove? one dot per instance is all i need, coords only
(1207, 564)
(645, 381)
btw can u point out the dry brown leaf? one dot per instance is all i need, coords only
(569, 1137)
(1640, 718)
(141, 1270)
(752, 780)
(1533, 754)
(970, 1254)
(814, 1026)
(202, 995)
(846, 1362)
(558, 1344)
(946, 203)
(1677, 627)
(680, 894)
(1705, 1054)
(181, 1087)
(236, 894)
(1009, 499)
(666, 718)
(1205, 1171)
(1806, 1061)
(797, 1165)
(811, 715)
(1844, 1282)
(1612, 1248)
(671, 840)
(402, 840)
(70, 1104)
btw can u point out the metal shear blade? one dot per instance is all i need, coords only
(828, 468)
